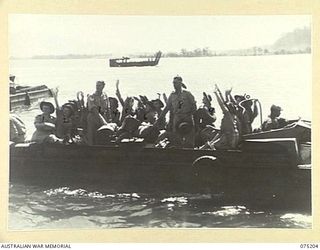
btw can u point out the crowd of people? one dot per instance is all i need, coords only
(99, 120)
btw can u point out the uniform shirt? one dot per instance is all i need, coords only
(182, 103)
(273, 123)
(205, 116)
(41, 119)
(98, 101)
(42, 133)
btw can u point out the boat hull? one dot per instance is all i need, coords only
(114, 63)
(124, 62)
(271, 173)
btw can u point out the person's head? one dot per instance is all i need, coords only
(275, 111)
(129, 101)
(158, 104)
(67, 110)
(47, 108)
(178, 83)
(239, 98)
(150, 106)
(100, 86)
(114, 104)
(206, 99)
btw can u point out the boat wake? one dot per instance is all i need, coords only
(33, 208)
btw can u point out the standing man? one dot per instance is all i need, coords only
(182, 105)
(97, 106)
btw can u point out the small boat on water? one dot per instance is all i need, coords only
(125, 61)
(276, 169)
(25, 95)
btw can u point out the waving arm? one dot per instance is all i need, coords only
(118, 94)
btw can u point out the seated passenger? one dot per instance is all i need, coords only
(45, 124)
(205, 114)
(141, 107)
(228, 138)
(128, 129)
(248, 115)
(127, 104)
(274, 122)
(127, 108)
(112, 114)
(17, 129)
(66, 128)
(151, 114)
(235, 101)
(83, 114)
(204, 117)
(158, 105)
(148, 132)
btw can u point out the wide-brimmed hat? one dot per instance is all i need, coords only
(130, 124)
(159, 101)
(184, 128)
(48, 104)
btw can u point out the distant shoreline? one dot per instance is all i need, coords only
(165, 56)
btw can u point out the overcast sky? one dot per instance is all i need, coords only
(31, 35)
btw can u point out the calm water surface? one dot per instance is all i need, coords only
(282, 80)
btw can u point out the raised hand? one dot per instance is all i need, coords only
(228, 91)
(165, 98)
(206, 100)
(117, 84)
(55, 91)
(216, 88)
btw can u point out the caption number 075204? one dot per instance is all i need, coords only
(309, 246)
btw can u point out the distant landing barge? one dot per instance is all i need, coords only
(125, 61)
(23, 95)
